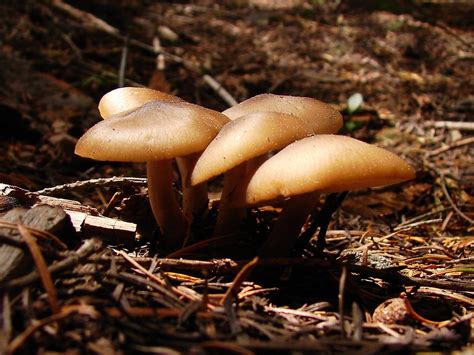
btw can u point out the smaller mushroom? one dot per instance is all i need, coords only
(262, 128)
(306, 108)
(156, 133)
(124, 99)
(314, 165)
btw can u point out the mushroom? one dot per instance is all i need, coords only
(128, 98)
(306, 168)
(305, 107)
(255, 133)
(156, 133)
(121, 101)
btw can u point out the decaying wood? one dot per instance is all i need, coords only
(86, 220)
(89, 247)
(84, 184)
(89, 226)
(45, 218)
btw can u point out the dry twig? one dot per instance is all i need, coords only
(43, 271)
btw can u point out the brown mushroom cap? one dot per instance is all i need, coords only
(326, 163)
(304, 107)
(155, 131)
(255, 134)
(128, 98)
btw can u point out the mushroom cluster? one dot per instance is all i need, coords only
(143, 125)
(270, 148)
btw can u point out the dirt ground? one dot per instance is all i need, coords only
(400, 257)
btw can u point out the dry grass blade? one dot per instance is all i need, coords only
(340, 298)
(41, 266)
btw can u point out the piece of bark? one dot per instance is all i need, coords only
(13, 196)
(14, 260)
(8, 202)
(109, 228)
(86, 220)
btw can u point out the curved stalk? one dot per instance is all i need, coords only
(229, 218)
(173, 224)
(195, 198)
(283, 236)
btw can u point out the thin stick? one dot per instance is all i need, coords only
(456, 144)
(86, 17)
(340, 297)
(464, 126)
(123, 64)
(41, 266)
(451, 202)
(220, 90)
(151, 276)
(239, 278)
(112, 181)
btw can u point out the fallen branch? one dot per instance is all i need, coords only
(86, 17)
(457, 144)
(220, 90)
(112, 181)
(463, 126)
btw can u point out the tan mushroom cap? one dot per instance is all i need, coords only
(305, 107)
(326, 163)
(128, 98)
(155, 131)
(255, 134)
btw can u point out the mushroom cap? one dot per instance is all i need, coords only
(128, 98)
(326, 163)
(155, 131)
(304, 107)
(256, 134)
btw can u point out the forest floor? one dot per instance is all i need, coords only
(398, 267)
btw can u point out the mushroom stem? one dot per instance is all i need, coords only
(283, 236)
(229, 218)
(195, 198)
(173, 224)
